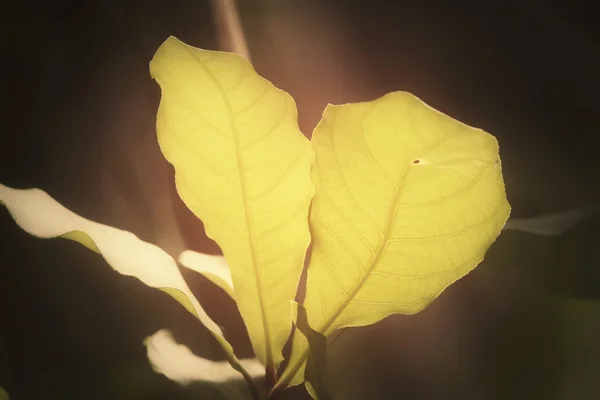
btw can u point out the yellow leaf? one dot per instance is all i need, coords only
(243, 167)
(407, 201)
(40, 215)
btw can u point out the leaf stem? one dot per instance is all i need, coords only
(230, 32)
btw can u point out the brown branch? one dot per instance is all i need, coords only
(230, 32)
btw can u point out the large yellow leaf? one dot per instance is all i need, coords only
(40, 215)
(407, 201)
(243, 167)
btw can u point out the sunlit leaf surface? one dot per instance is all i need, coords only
(243, 167)
(407, 201)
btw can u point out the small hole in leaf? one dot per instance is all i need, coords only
(416, 162)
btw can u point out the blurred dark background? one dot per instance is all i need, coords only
(78, 121)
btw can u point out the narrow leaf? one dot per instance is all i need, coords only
(213, 268)
(178, 363)
(243, 167)
(407, 201)
(40, 215)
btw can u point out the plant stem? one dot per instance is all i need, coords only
(230, 32)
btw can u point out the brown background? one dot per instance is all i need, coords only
(78, 122)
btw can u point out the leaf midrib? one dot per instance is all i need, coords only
(324, 329)
(385, 233)
(326, 326)
(270, 365)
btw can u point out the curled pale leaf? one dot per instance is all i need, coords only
(212, 267)
(178, 363)
(40, 215)
(243, 167)
(407, 201)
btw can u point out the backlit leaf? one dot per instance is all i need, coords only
(243, 167)
(407, 201)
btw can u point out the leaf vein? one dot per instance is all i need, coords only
(276, 183)
(430, 274)
(254, 102)
(347, 187)
(471, 184)
(335, 237)
(184, 145)
(275, 228)
(333, 205)
(368, 149)
(269, 131)
(455, 233)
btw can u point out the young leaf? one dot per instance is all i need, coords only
(40, 215)
(213, 268)
(243, 167)
(179, 364)
(407, 201)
